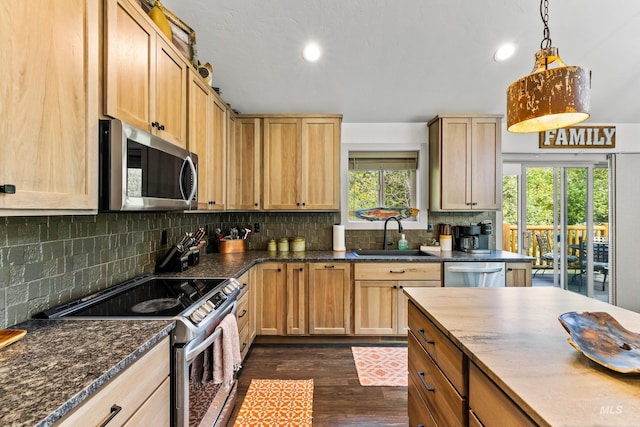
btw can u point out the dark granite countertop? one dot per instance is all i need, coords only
(235, 264)
(60, 363)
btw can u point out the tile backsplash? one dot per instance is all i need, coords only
(45, 261)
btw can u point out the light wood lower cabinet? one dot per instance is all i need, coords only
(139, 395)
(380, 306)
(270, 284)
(245, 314)
(518, 274)
(489, 405)
(303, 298)
(329, 298)
(297, 299)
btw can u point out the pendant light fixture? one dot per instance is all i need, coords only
(548, 98)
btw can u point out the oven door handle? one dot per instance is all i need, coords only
(191, 354)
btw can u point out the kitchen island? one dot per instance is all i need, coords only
(515, 359)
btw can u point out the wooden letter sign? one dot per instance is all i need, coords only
(579, 137)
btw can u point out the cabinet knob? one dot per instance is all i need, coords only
(255, 204)
(279, 270)
(298, 204)
(155, 124)
(474, 203)
(304, 204)
(161, 127)
(300, 269)
(8, 189)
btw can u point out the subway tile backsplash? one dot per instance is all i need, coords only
(45, 261)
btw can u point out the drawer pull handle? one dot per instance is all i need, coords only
(244, 344)
(428, 341)
(421, 375)
(241, 315)
(396, 272)
(329, 266)
(244, 285)
(115, 410)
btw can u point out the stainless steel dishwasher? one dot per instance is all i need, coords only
(474, 274)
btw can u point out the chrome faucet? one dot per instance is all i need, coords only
(384, 240)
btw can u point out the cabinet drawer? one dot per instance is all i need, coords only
(155, 411)
(242, 311)
(442, 399)
(490, 404)
(244, 284)
(446, 355)
(244, 338)
(397, 271)
(128, 390)
(419, 414)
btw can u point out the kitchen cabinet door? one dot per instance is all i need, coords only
(200, 132)
(518, 274)
(297, 299)
(145, 76)
(320, 164)
(244, 180)
(375, 307)
(329, 298)
(217, 177)
(49, 107)
(465, 163)
(270, 303)
(281, 163)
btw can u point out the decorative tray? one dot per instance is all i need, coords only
(602, 339)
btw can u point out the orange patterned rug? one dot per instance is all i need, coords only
(381, 366)
(277, 403)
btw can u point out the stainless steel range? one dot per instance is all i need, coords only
(197, 306)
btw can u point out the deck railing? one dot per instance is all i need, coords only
(510, 236)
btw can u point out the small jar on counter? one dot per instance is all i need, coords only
(283, 244)
(298, 244)
(271, 246)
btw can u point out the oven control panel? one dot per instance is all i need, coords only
(211, 305)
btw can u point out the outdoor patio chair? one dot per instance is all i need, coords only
(546, 254)
(600, 260)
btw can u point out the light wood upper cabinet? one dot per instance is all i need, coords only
(244, 178)
(207, 138)
(49, 106)
(200, 132)
(145, 76)
(465, 163)
(301, 163)
(330, 298)
(217, 182)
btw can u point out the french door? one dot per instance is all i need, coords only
(562, 217)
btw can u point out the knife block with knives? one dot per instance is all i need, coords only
(184, 253)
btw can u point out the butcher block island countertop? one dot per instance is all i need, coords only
(514, 337)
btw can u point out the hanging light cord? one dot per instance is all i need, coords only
(546, 33)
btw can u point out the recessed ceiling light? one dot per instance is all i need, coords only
(311, 52)
(504, 52)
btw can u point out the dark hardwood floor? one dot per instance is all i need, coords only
(338, 397)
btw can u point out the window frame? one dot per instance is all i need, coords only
(421, 190)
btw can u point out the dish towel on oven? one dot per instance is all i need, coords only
(226, 351)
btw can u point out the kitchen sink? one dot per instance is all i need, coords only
(390, 253)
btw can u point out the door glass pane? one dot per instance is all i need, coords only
(577, 233)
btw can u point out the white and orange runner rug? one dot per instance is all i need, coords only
(277, 403)
(381, 366)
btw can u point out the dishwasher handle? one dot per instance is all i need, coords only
(457, 269)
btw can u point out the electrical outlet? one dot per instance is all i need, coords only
(430, 228)
(256, 227)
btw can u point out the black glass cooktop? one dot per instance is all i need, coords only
(145, 296)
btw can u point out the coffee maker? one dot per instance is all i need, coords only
(473, 238)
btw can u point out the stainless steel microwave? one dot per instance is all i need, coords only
(141, 172)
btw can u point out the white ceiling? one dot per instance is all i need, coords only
(408, 60)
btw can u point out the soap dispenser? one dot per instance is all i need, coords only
(403, 244)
